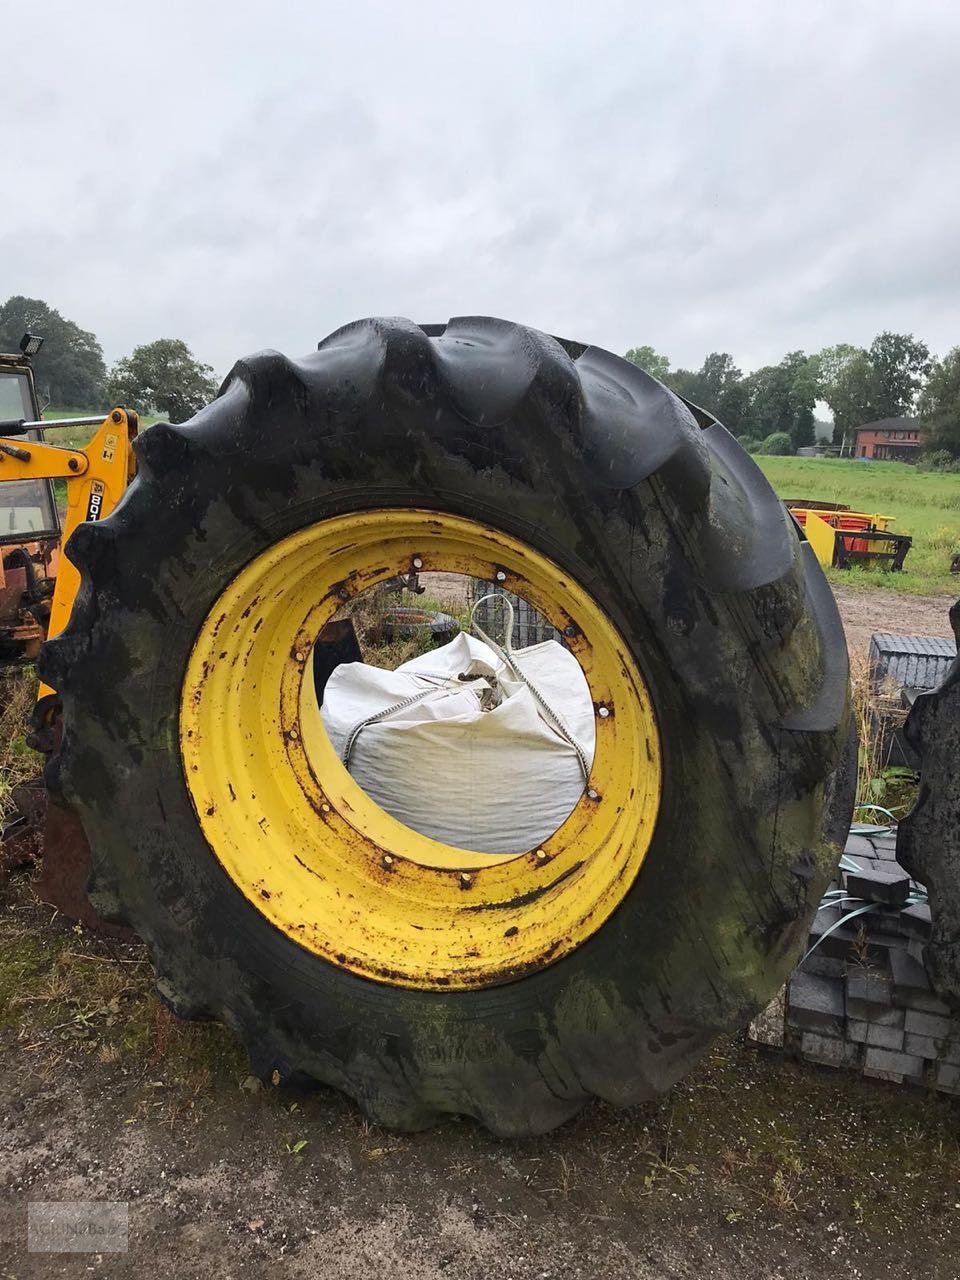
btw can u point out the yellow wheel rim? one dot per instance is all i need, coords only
(325, 864)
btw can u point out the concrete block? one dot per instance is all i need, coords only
(928, 1024)
(829, 1051)
(884, 846)
(887, 920)
(887, 1064)
(909, 977)
(858, 848)
(878, 1035)
(881, 1037)
(892, 1077)
(814, 1003)
(823, 966)
(921, 1046)
(877, 948)
(915, 921)
(835, 945)
(948, 1077)
(890, 887)
(869, 994)
(930, 1004)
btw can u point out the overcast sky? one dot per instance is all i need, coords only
(739, 176)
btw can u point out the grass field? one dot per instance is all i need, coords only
(925, 504)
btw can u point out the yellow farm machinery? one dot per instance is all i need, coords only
(842, 538)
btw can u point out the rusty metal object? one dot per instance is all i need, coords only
(20, 839)
(27, 574)
(928, 839)
(43, 832)
(65, 872)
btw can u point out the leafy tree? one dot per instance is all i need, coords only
(842, 385)
(687, 383)
(940, 405)
(717, 373)
(735, 408)
(778, 444)
(831, 362)
(719, 387)
(163, 375)
(900, 363)
(650, 361)
(783, 396)
(69, 369)
(852, 395)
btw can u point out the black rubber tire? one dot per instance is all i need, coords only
(672, 528)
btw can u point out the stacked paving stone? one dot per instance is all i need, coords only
(863, 1000)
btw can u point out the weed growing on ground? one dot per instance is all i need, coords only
(18, 764)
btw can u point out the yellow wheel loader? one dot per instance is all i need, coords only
(201, 563)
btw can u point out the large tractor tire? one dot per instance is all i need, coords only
(344, 947)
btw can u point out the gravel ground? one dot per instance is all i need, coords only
(754, 1166)
(864, 612)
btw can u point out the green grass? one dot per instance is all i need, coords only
(924, 504)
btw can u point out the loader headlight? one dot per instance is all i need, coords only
(31, 343)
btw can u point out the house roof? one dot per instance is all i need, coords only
(890, 424)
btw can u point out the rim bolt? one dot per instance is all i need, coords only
(325, 808)
(293, 735)
(603, 712)
(466, 879)
(542, 855)
(592, 795)
(501, 576)
(300, 656)
(387, 860)
(417, 562)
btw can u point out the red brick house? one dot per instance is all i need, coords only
(889, 439)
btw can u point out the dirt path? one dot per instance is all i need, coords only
(864, 612)
(214, 1193)
(753, 1168)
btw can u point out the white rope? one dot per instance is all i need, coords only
(388, 711)
(505, 654)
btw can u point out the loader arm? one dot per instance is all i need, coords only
(97, 477)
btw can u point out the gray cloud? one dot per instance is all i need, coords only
(743, 177)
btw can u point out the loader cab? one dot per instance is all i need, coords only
(28, 510)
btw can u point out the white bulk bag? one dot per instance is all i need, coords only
(499, 780)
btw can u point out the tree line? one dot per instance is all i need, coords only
(162, 376)
(773, 407)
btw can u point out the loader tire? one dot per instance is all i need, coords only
(723, 730)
